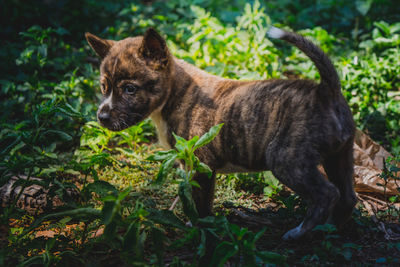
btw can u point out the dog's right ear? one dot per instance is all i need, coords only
(100, 46)
(154, 49)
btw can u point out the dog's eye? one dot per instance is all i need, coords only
(130, 89)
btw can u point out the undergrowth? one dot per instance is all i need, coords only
(106, 202)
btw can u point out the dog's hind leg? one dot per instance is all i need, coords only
(339, 168)
(310, 184)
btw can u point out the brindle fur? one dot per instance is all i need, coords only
(287, 126)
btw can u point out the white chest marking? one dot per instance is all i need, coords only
(162, 129)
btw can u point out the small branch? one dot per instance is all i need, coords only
(174, 203)
(374, 199)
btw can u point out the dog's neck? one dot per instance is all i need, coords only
(185, 77)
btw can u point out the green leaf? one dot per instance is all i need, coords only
(194, 183)
(181, 173)
(209, 136)
(271, 257)
(162, 155)
(122, 195)
(222, 253)
(79, 213)
(165, 168)
(203, 168)
(68, 110)
(165, 217)
(131, 237)
(327, 228)
(15, 143)
(192, 142)
(363, 6)
(181, 143)
(110, 230)
(102, 188)
(159, 238)
(107, 213)
(201, 251)
(259, 234)
(189, 207)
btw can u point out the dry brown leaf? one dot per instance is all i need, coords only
(369, 158)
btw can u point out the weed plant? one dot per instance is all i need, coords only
(49, 95)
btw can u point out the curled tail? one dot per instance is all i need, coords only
(329, 76)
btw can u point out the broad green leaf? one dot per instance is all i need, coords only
(209, 136)
(222, 253)
(79, 213)
(102, 188)
(16, 147)
(122, 195)
(208, 221)
(189, 207)
(271, 257)
(181, 143)
(165, 168)
(194, 183)
(384, 26)
(15, 143)
(67, 109)
(259, 234)
(181, 173)
(192, 142)
(363, 6)
(201, 251)
(165, 217)
(107, 213)
(159, 238)
(110, 230)
(162, 155)
(36, 260)
(131, 237)
(327, 228)
(203, 168)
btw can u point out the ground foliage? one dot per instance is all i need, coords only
(124, 185)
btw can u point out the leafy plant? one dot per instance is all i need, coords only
(184, 150)
(49, 140)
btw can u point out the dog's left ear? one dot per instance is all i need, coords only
(154, 49)
(100, 46)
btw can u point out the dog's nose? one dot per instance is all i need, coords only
(103, 116)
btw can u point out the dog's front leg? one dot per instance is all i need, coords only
(204, 196)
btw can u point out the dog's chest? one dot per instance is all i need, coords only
(162, 129)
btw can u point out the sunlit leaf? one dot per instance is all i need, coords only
(209, 136)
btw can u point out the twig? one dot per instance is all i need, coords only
(174, 203)
(369, 209)
(374, 199)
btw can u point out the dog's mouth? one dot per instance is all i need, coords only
(121, 123)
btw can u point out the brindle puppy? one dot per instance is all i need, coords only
(287, 126)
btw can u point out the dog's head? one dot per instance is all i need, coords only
(135, 78)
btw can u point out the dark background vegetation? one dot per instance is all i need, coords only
(94, 180)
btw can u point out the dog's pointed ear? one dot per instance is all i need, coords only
(154, 48)
(100, 46)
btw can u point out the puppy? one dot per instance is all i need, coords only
(286, 126)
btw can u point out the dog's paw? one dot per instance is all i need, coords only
(294, 234)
